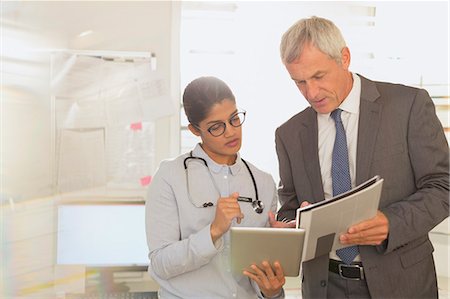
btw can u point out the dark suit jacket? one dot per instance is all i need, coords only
(401, 139)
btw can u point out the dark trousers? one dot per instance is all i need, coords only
(339, 287)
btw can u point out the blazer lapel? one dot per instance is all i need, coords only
(310, 150)
(369, 122)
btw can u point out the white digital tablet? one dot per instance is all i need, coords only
(253, 245)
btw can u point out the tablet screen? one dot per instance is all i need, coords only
(253, 245)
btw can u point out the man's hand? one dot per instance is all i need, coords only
(269, 283)
(369, 232)
(226, 210)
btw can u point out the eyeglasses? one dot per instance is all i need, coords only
(219, 128)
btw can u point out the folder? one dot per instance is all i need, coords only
(326, 220)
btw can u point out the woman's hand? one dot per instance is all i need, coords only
(304, 204)
(285, 223)
(226, 210)
(280, 224)
(270, 283)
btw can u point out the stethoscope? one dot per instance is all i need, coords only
(258, 206)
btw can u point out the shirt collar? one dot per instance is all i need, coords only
(351, 102)
(214, 166)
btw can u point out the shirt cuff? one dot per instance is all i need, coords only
(218, 244)
(204, 245)
(279, 295)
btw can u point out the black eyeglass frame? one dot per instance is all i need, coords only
(223, 124)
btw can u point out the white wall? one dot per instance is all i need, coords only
(25, 110)
(29, 31)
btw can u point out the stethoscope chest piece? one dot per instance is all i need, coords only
(258, 206)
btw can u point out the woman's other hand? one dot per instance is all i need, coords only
(270, 280)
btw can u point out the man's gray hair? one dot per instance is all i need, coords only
(322, 33)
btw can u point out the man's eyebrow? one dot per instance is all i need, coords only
(318, 73)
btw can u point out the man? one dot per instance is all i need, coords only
(389, 130)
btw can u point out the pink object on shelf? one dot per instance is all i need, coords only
(136, 126)
(146, 180)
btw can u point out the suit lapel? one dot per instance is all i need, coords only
(369, 122)
(309, 143)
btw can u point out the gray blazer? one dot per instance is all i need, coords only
(401, 139)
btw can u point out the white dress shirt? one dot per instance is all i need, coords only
(183, 259)
(327, 133)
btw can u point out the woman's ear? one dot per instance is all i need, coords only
(194, 130)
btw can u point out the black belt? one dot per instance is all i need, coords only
(355, 271)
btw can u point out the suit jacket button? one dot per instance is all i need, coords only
(323, 283)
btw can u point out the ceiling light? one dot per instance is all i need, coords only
(84, 33)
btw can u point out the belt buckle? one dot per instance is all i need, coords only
(361, 272)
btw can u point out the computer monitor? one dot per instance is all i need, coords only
(106, 237)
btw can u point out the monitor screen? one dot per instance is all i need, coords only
(102, 234)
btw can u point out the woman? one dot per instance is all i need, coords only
(194, 200)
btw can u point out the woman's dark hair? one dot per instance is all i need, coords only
(201, 95)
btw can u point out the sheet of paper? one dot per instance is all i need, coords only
(81, 162)
(87, 112)
(130, 155)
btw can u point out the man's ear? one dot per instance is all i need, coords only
(345, 57)
(194, 130)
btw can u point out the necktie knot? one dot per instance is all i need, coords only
(336, 115)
